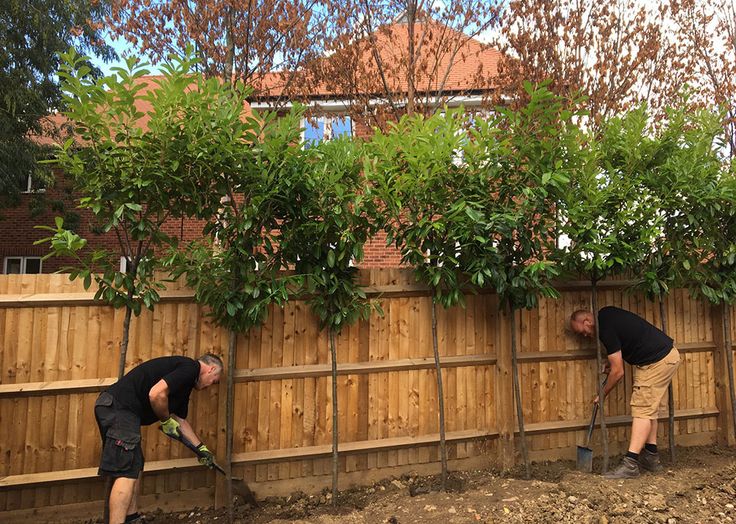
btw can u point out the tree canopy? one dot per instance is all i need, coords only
(32, 32)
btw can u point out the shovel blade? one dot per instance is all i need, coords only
(585, 459)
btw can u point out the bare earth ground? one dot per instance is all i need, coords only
(700, 487)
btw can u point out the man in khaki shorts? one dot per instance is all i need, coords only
(628, 337)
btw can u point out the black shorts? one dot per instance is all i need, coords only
(120, 430)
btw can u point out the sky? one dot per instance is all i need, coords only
(122, 47)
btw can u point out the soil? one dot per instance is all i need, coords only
(699, 487)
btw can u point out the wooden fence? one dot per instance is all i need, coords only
(59, 349)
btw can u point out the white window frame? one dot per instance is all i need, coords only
(23, 261)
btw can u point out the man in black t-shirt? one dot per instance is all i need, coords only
(654, 360)
(157, 390)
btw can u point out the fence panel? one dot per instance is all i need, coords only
(60, 349)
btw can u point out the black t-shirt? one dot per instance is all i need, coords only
(640, 342)
(180, 373)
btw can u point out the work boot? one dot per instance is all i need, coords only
(629, 469)
(650, 461)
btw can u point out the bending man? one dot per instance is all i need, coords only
(654, 360)
(157, 390)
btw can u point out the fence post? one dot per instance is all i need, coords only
(720, 365)
(504, 392)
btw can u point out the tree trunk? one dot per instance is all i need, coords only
(229, 421)
(124, 341)
(411, 15)
(440, 397)
(517, 395)
(670, 393)
(230, 49)
(333, 353)
(729, 359)
(599, 360)
(121, 372)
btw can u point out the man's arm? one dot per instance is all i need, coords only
(187, 431)
(615, 373)
(158, 396)
(205, 456)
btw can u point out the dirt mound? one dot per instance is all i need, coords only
(699, 487)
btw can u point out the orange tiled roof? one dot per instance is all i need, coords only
(472, 68)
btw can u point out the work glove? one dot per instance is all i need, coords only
(171, 427)
(206, 458)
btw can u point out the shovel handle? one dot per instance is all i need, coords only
(592, 424)
(595, 414)
(181, 438)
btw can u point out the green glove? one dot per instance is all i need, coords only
(171, 427)
(206, 458)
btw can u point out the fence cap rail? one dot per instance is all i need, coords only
(15, 300)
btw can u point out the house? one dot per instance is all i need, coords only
(361, 85)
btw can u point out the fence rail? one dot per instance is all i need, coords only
(60, 348)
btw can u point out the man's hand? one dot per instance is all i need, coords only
(171, 427)
(206, 458)
(596, 400)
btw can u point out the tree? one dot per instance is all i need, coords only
(324, 243)
(713, 275)
(256, 163)
(527, 157)
(681, 169)
(135, 170)
(432, 203)
(616, 54)
(31, 34)
(609, 214)
(395, 58)
(264, 43)
(709, 28)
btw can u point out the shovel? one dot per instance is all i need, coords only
(239, 485)
(585, 454)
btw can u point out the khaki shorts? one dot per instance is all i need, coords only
(649, 398)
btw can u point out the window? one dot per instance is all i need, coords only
(314, 131)
(32, 186)
(326, 127)
(22, 265)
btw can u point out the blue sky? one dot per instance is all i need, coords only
(122, 48)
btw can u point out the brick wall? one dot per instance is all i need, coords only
(17, 233)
